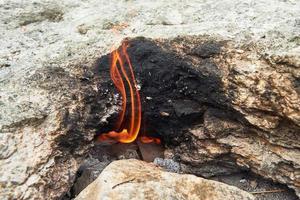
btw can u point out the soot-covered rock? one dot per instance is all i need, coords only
(206, 50)
(175, 88)
(215, 103)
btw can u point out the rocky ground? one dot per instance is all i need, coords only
(48, 49)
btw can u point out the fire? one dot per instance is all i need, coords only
(122, 76)
(146, 139)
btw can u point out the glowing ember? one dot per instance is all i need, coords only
(146, 139)
(127, 130)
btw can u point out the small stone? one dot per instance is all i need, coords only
(253, 184)
(82, 29)
(240, 51)
(150, 151)
(168, 164)
(164, 114)
(243, 181)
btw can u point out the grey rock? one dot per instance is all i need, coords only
(168, 164)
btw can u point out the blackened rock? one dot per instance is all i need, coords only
(187, 108)
(206, 50)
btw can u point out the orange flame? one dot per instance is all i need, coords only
(147, 139)
(129, 133)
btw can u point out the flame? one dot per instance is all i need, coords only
(147, 139)
(120, 75)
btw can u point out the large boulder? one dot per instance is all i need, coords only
(133, 179)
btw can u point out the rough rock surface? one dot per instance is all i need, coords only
(87, 173)
(49, 107)
(233, 108)
(133, 179)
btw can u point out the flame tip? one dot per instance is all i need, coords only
(118, 72)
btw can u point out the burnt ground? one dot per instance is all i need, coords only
(174, 92)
